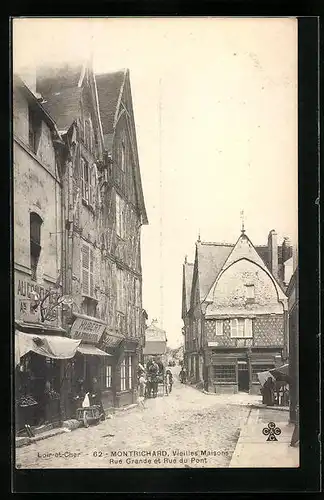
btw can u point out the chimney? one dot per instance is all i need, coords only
(273, 252)
(286, 249)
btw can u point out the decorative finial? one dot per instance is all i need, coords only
(242, 219)
(198, 235)
(186, 259)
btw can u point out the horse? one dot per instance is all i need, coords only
(152, 385)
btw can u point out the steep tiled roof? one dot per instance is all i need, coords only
(188, 274)
(55, 78)
(59, 88)
(211, 258)
(152, 347)
(109, 87)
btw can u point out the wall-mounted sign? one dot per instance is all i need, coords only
(87, 330)
(213, 344)
(23, 289)
(111, 339)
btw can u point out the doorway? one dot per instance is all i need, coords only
(243, 376)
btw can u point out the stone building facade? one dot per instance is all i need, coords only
(236, 323)
(38, 153)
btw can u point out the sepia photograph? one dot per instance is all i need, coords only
(155, 235)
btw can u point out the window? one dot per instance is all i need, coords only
(88, 182)
(129, 372)
(85, 180)
(219, 327)
(87, 265)
(249, 291)
(260, 368)
(241, 327)
(225, 373)
(122, 156)
(89, 307)
(35, 223)
(34, 124)
(123, 375)
(120, 206)
(108, 376)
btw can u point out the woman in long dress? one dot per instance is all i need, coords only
(268, 392)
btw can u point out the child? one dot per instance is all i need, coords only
(142, 385)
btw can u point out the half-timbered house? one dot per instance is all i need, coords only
(103, 211)
(236, 324)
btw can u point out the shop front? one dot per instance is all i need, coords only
(231, 371)
(40, 354)
(91, 365)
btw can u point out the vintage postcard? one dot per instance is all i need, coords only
(155, 243)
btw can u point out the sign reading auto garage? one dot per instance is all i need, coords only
(87, 330)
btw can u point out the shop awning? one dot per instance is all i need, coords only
(50, 346)
(92, 350)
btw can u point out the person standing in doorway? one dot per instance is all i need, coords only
(95, 397)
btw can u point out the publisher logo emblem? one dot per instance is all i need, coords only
(271, 431)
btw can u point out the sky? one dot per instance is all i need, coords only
(215, 104)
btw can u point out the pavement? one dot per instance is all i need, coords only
(253, 448)
(185, 429)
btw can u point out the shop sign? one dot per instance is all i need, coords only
(24, 311)
(111, 340)
(87, 330)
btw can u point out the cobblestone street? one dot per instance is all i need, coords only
(185, 429)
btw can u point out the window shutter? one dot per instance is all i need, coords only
(248, 327)
(234, 327)
(85, 269)
(92, 186)
(91, 272)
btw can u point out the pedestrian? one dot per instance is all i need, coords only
(169, 380)
(142, 384)
(95, 397)
(268, 392)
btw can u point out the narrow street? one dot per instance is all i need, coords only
(185, 429)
